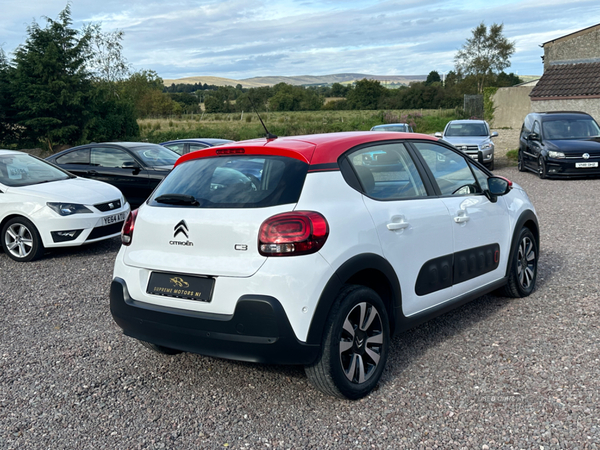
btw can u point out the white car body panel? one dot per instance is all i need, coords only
(30, 202)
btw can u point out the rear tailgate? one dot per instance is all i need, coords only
(212, 242)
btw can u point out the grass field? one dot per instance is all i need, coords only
(240, 126)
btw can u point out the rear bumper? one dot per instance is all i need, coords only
(258, 330)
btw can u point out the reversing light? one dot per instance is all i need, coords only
(293, 233)
(127, 231)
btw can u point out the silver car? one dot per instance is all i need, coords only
(472, 137)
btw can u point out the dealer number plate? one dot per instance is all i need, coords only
(181, 286)
(108, 220)
(586, 164)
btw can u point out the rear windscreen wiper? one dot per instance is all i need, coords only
(177, 199)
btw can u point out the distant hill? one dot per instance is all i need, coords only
(304, 80)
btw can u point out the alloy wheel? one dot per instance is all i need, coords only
(361, 342)
(526, 262)
(19, 240)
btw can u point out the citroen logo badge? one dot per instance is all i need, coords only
(181, 227)
(586, 156)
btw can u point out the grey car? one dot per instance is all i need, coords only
(472, 137)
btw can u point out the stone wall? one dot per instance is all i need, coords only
(512, 105)
(591, 106)
(583, 46)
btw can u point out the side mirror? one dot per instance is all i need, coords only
(497, 186)
(494, 134)
(533, 137)
(130, 165)
(438, 134)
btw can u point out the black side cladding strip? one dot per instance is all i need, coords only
(329, 167)
(448, 270)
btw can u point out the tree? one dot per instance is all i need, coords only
(365, 95)
(484, 53)
(107, 62)
(433, 77)
(8, 129)
(51, 83)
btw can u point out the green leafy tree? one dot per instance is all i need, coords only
(106, 60)
(433, 77)
(338, 90)
(366, 94)
(144, 89)
(51, 83)
(484, 53)
(8, 128)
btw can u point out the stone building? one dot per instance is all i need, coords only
(571, 81)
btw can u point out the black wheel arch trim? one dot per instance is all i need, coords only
(527, 217)
(382, 279)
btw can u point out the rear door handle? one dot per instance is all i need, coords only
(398, 223)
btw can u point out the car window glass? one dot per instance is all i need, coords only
(194, 147)
(233, 182)
(482, 178)
(110, 157)
(154, 155)
(81, 156)
(536, 127)
(24, 170)
(570, 128)
(387, 172)
(178, 148)
(450, 170)
(466, 129)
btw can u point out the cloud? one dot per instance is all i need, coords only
(239, 39)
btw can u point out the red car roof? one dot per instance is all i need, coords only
(314, 149)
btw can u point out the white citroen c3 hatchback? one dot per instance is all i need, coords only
(316, 249)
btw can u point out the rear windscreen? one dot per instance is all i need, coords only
(232, 181)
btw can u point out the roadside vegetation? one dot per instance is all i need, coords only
(240, 126)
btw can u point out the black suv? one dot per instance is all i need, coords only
(560, 144)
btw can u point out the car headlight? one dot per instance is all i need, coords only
(556, 155)
(487, 146)
(66, 209)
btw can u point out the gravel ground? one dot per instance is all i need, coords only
(496, 373)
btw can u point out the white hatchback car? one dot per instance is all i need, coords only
(42, 206)
(314, 250)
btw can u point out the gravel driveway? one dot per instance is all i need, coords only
(496, 373)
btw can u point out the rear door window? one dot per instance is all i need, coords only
(232, 182)
(387, 172)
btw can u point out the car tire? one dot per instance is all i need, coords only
(160, 349)
(520, 165)
(491, 165)
(21, 240)
(522, 273)
(542, 172)
(355, 345)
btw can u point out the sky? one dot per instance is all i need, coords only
(241, 39)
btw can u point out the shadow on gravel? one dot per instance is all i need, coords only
(410, 346)
(551, 265)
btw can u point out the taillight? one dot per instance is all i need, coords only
(127, 231)
(293, 233)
